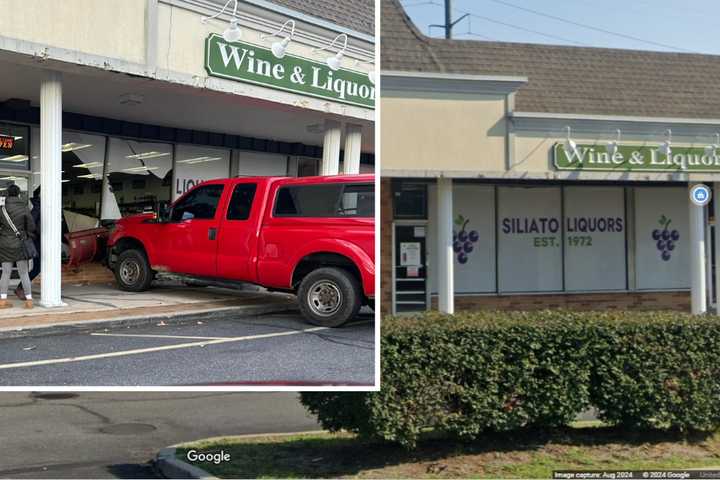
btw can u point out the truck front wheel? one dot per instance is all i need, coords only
(132, 271)
(329, 297)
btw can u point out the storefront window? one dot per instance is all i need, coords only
(473, 238)
(662, 251)
(595, 230)
(529, 239)
(138, 177)
(410, 200)
(7, 179)
(82, 160)
(14, 141)
(307, 167)
(256, 164)
(195, 165)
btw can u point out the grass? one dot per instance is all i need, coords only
(525, 454)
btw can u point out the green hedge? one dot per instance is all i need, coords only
(470, 373)
(658, 372)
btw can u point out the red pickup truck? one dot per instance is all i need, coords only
(314, 236)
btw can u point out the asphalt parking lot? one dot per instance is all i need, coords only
(118, 434)
(272, 349)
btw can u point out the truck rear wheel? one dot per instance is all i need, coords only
(133, 272)
(329, 297)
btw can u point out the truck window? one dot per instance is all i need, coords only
(199, 204)
(241, 201)
(333, 200)
(358, 200)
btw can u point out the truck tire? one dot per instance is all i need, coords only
(329, 297)
(132, 271)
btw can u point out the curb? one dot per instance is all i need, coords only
(175, 318)
(167, 464)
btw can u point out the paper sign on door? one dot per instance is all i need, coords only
(410, 254)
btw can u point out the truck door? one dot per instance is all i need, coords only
(238, 235)
(188, 242)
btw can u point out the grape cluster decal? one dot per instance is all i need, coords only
(665, 238)
(463, 240)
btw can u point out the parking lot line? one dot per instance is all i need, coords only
(143, 335)
(138, 351)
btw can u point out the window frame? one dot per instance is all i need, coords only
(192, 192)
(252, 201)
(342, 185)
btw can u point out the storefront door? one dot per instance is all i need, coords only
(410, 268)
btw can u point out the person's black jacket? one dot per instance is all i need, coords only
(11, 249)
(35, 212)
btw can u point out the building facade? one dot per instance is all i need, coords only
(533, 176)
(114, 107)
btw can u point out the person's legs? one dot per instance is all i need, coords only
(23, 268)
(20, 290)
(5, 284)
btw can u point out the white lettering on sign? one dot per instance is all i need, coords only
(646, 157)
(245, 59)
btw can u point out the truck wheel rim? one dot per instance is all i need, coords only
(324, 298)
(129, 272)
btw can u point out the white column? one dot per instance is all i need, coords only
(446, 261)
(716, 195)
(331, 148)
(698, 297)
(353, 144)
(50, 179)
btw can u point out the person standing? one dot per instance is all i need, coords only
(35, 271)
(15, 216)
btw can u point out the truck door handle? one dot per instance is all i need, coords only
(212, 233)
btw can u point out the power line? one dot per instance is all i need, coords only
(516, 27)
(419, 4)
(590, 27)
(505, 24)
(473, 34)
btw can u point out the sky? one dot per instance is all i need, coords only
(662, 25)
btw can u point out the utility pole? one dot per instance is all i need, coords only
(448, 19)
(449, 24)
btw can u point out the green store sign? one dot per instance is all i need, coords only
(249, 63)
(635, 159)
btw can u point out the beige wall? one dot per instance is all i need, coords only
(181, 41)
(99, 27)
(445, 132)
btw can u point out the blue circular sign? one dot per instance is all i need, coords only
(700, 195)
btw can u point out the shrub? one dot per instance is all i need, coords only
(466, 374)
(658, 371)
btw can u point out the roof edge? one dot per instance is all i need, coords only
(399, 81)
(613, 118)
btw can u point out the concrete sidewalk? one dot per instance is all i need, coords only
(97, 305)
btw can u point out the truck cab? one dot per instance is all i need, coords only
(313, 236)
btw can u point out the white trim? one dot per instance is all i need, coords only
(614, 118)
(151, 33)
(551, 175)
(449, 83)
(455, 76)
